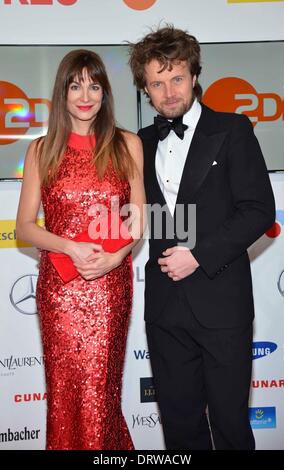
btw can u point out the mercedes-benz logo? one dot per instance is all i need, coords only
(280, 283)
(23, 294)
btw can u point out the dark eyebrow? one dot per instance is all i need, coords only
(79, 83)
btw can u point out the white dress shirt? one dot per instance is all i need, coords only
(171, 156)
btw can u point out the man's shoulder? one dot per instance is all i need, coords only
(227, 119)
(147, 132)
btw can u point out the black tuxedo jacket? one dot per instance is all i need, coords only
(234, 207)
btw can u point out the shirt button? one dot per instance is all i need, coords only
(168, 181)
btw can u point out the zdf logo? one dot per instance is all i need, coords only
(233, 94)
(18, 112)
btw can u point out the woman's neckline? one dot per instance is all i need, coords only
(79, 141)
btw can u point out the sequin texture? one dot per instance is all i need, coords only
(83, 323)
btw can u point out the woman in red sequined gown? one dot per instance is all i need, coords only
(84, 322)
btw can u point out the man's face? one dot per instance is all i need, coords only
(170, 91)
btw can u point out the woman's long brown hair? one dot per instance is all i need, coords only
(110, 142)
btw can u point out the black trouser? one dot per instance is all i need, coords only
(195, 367)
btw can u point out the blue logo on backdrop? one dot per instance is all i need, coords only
(262, 348)
(263, 417)
(141, 354)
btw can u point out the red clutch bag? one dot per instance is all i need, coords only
(63, 263)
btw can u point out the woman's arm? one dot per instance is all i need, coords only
(26, 227)
(137, 193)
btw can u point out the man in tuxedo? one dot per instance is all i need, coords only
(199, 302)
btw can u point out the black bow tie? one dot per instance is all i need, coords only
(164, 126)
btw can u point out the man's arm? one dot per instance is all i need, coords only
(253, 200)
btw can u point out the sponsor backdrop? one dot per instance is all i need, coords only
(114, 21)
(237, 84)
(268, 349)
(26, 81)
(238, 78)
(248, 77)
(23, 397)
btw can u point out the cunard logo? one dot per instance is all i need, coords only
(23, 294)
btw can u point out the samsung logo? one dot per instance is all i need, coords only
(262, 348)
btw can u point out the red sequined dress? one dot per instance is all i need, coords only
(84, 323)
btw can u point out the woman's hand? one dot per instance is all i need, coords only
(101, 264)
(82, 252)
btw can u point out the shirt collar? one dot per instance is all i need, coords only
(192, 116)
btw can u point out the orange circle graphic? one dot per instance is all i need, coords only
(222, 95)
(9, 93)
(139, 4)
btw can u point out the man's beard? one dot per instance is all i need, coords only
(178, 111)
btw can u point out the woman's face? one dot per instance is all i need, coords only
(84, 100)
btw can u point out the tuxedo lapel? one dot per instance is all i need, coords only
(150, 170)
(205, 145)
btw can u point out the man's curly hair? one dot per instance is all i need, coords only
(168, 46)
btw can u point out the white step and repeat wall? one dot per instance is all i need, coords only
(114, 21)
(23, 397)
(250, 74)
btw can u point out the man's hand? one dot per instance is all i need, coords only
(178, 263)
